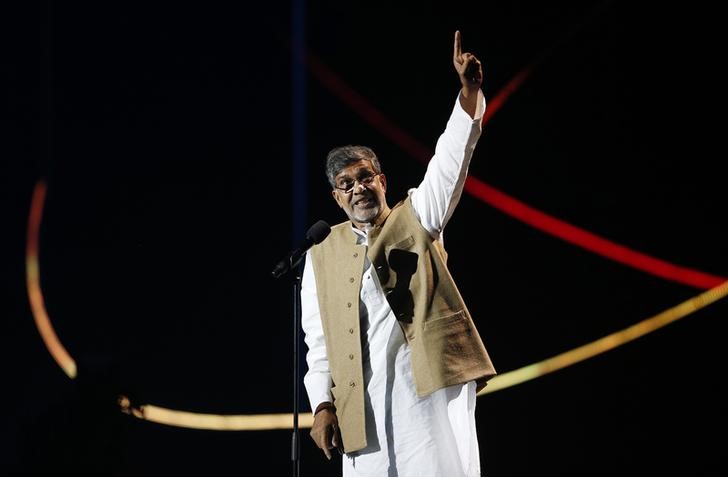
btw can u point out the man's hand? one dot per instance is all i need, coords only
(325, 431)
(471, 75)
(467, 66)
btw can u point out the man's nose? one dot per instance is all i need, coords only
(358, 187)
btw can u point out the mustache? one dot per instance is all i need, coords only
(363, 196)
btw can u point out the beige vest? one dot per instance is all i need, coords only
(411, 267)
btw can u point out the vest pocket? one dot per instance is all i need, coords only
(458, 321)
(450, 345)
(402, 244)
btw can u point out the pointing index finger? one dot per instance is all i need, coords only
(457, 51)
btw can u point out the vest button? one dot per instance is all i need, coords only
(348, 305)
(356, 254)
(351, 331)
(352, 383)
(351, 280)
(351, 356)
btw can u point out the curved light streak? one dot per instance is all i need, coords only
(606, 343)
(256, 422)
(588, 240)
(497, 101)
(504, 202)
(35, 294)
(217, 422)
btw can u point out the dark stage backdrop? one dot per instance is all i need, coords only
(166, 135)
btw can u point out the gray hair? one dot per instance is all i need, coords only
(341, 157)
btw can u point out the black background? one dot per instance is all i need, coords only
(165, 134)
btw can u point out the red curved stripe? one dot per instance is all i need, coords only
(587, 240)
(499, 99)
(503, 202)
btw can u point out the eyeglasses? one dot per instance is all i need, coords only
(347, 185)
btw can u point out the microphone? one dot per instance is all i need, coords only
(316, 234)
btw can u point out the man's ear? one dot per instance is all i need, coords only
(383, 180)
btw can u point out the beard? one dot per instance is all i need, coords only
(367, 211)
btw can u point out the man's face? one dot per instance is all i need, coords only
(360, 191)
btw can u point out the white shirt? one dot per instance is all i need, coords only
(407, 436)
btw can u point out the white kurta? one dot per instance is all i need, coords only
(407, 436)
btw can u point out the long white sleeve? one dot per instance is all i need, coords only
(318, 377)
(439, 192)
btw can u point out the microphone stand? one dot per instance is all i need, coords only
(295, 263)
(295, 444)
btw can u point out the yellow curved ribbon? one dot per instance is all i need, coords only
(254, 422)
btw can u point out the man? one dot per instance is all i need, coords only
(394, 358)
